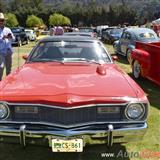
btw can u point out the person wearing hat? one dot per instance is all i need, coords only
(6, 37)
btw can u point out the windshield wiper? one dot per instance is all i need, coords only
(93, 61)
(78, 60)
(66, 60)
(46, 60)
(88, 61)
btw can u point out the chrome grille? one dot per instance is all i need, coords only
(63, 116)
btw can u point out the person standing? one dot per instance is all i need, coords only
(6, 37)
(59, 30)
(51, 32)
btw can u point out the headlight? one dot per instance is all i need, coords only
(134, 111)
(4, 111)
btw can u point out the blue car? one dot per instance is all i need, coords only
(126, 43)
(113, 35)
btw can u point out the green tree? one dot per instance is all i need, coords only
(112, 15)
(66, 21)
(11, 20)
(59, 19)
(23, 8)
(34, 21)
(126, 15)
(2, 6)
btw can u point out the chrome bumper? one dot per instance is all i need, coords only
(108, 135)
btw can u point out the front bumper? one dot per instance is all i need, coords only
(97, 134)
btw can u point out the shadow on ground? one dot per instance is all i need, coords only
(151, 89)
(96, 152)
(121, 59)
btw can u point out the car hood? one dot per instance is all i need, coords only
(65, 82)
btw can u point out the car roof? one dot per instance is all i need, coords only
(109, 28)
(139, 30)
(28, 29)
(68, 38)
(17, 27)
(85, 27)
(78, 34)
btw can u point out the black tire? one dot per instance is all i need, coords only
(136, 70)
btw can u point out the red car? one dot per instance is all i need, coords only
(68, 94)
(146, 61)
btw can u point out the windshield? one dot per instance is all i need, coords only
(86, 29)
(15, 30)
(116, 31)
(69, 52)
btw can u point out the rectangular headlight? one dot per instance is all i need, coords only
(104, 110)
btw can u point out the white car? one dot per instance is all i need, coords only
(31, 34)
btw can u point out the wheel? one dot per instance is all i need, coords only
(128, 55)
(136, 69)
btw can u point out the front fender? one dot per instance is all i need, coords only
(116, 46)
(131, 47)
(143, 58)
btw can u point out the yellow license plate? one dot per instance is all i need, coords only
(69, 145)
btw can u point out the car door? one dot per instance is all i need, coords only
(127, 40)
(122, 41)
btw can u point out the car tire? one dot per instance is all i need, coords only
(136, 70)
(128, 55)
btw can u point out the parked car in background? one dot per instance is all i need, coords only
(69, 94)
(43, 34)
(146, 61)
(31, 34)
(20, 36)
(126, 43)
(99, 30)
(113, 35)
(85, 34)
(88, 30)
(105, 32)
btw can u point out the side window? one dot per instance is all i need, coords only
(128, 36)
(124, 35)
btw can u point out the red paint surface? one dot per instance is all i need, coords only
(69, 84)
(148, 55)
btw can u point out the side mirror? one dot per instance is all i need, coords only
(114, 58)
(25, 57)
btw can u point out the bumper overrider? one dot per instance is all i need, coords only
(42, 134)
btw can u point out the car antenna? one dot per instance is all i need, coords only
(18, 53)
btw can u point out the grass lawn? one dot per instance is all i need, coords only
(151, 141)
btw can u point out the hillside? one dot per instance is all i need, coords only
(111, 12)
(127, 2)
